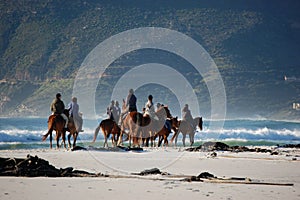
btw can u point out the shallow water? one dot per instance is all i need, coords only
(26, 133)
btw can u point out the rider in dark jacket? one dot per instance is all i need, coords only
(131, 101)
(58, 107)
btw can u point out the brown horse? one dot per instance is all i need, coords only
(164, 133)
(57, 123)
(187, 128)
(108, 126)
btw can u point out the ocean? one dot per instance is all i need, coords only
(26, 133)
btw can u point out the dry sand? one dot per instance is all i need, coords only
(259, 167)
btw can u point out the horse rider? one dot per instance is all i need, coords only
(111, 110)
(186, 115)
(118, 111)
(57, 107)
(73, 108)
(130, 104)
(149, 108)
(131, 101)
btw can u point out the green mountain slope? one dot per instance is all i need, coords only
(254, 44)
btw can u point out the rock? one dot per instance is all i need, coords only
(274, 153)
(206, 175)
(289, 146)
(212, 146)
(77, 148)
(33, 166)
(149, 171)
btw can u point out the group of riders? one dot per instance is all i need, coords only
(113, 110)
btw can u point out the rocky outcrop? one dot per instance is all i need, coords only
(33, 166)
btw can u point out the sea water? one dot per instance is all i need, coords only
(26, 133)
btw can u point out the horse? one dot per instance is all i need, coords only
(131, 122)
(56, 122)
(108, 126)
(72, 132)
(187, 128)
(156, 128)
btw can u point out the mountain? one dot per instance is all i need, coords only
(253, 43)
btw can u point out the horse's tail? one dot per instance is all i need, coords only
(45, 136)
(97, 131)
(50, 127)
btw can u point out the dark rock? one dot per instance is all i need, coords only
(193, 149)
(239, 148)
(32, 166)
(274, 153)
(77, 148)
(289, 146)
(214, 146)
(206, 175)
(192, 178)
(148, 171)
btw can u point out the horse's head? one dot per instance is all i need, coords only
(175, 122)
(199, 122)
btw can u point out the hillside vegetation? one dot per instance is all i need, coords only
(254, 44)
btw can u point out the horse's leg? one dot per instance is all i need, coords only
(183, 138)
(113, 140)
(139, 136)
(50, 140)
(106, 136)
(159, 141)
(151, 138)
(75, 135)
(175, 137)
(120, 139)
(120, 136)
(191, 138)
(64, 138)
(69, 141)
(166, 142)
(57, 139)
(151, 141)
(129, 138)
(130, 135)
(105, 141)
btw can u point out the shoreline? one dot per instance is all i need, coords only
(261, 167)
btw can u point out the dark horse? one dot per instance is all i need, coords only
(57, 123)
(108, 126)
(187, 128)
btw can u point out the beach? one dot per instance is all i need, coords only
(259, 168)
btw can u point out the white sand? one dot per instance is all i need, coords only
(257, 166)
